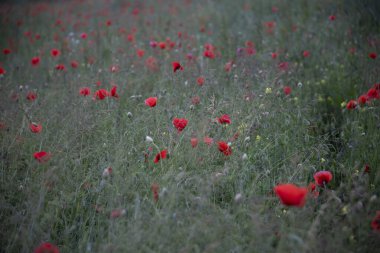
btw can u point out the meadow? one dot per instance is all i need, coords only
(190, 126)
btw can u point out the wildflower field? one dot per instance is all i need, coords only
(190, 126)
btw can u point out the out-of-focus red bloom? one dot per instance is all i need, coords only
(151, 63)
(306, 53)
(373, 94)
(224, 148)
(101, 94)
(140, 53)
(113, 92)
(85, 91)
(161, 155)
(228, 66)
(108, 23)
(55, 52)
(351, 105)
(155, 190)
(153, 43)
(60, 67)
(323, 177)
(332, 17)
(209, 54)
(42, 156)
(274, 55)
(31, 96)
(74, 64)
(312, 189)
(209, 141)
(200, 80)
(7, 51)
(83, 36)
(180, 123)
(35, 128)
(224, 119)
(46, 247)
(194, 142)
(283, 66)
(35, 61)
(162, 45)
(372, 55)
(151, 101)
(291, 195)
(287, 90)
(176, 66)
(367, 169)
(117, 213)
(362, 100)
(375, 223)
(2, 71)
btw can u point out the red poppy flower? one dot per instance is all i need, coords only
(161, 155)
(311, 187)
(362, 100)
(225, 119)
(55, 52)
(108, 23)
(283, 66)
(194, 142)
(306, 53)
(250, 51)
(180, 123)
(224, 148)
(209, 54)
(140, 53)
(162, 45)
(113, 92)
(101, 94)
(85, 91)
(74, 64)
(373, 94)
(60, 67)
(200, 80)
(35, 61)
(351, 105)
(372, 55)
(153, 43)
(228, 66)
(375, 223)
(35, 128)
(7, 51)
(291, 195)
(332, 17)
(274, 55)
(287, 90)
(41, 156)
(176, 66)
(322, 177)
(117, 213)
(83, 36)
(31, 96)
(151, 102)
(2, 71)
(46, 247)
(151, 63)
(209, 141)
(367, 169)
(155, 190)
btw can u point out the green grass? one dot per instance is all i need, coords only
(286, 139)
